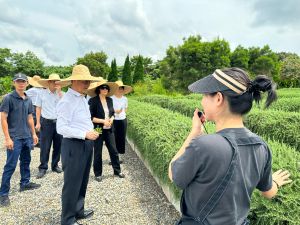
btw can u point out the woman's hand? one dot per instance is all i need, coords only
(197, 126)
(281, 177)
(107, 123)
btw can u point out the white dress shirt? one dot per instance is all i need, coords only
(73, 115)
(33, 93)
(47, 100)
(120, 103)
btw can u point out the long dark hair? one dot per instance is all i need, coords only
(242, 104)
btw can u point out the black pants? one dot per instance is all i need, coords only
(120, 134)
(48, 134)
(108, 137)
(76, 164)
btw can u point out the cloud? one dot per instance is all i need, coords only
(284, 14)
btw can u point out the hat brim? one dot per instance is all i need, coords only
(127, 89)
(45, 84)
(112, 88)
(34, 83)
(207, 85)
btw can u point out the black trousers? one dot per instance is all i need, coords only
(109, 138)
(120, 134)
(48, 135)
(76, 163)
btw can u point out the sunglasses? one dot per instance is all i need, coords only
(104, 87)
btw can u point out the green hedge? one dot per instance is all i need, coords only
(285, 207)
(286, 104)
(159, 133)
(277, 125)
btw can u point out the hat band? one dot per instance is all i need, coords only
(229, 82)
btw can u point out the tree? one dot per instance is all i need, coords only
(96, 62)
(147, 63)
(63, 71)
(126, 76)
(138, 74)
(240, 58)
(113, 74)
(6, 67)
(28, 64)
(290, 72)
(219, 54)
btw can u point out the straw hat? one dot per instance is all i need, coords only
(112, 88)
(52, 77)
(33, 81)
(127, 88)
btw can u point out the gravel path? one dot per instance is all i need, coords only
(137, 199)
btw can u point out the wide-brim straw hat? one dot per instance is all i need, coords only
(33, 81)
(112, 88)
(80, 72)
(52, 77)
(127, 88)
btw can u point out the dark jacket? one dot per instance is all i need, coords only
(97, 110)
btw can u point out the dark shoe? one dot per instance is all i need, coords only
(98, 178)
(120, 175)
(30, 186)
(40, 174)
(86, 214)
(120, 161)
(4, 201)
(57, 169)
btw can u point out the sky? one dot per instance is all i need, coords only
(60, 31)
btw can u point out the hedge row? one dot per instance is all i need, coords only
(277, 125)
(286, 104)
(159, 133)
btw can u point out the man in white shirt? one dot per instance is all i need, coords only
(32, 93)
(46, 123)
(75, 125)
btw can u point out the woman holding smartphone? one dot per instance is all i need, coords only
(218, 172)
(102, 112)
(120, 104)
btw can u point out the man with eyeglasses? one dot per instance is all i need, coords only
(18, 128)
(46, 117)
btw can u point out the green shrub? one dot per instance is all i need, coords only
(287, 104)
(277, 125)
(159, 134)
(285, 207)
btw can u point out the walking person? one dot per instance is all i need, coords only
(46, 117)
(75, 125)
(218, 172)
(18, 129)
(120, 103)
(102, 112)
(32, 93)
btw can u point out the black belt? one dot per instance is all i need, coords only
(49, 120)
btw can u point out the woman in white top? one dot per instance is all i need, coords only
(120, 104)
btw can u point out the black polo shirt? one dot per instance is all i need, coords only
(204, 164)
(17, 110)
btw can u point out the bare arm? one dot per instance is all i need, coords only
(8, 141)
(104, 122)
(38, 117)
(32, 129)
(197, 129)
(280, 178)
